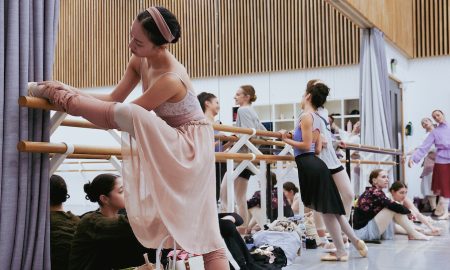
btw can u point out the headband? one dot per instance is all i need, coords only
(161, 24)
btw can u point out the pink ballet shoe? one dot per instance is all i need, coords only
(329, 247)
(362, 248)
(332, 257)
(34, 90)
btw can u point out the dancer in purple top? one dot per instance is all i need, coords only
(440, 137)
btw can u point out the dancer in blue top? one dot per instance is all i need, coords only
(318, 190)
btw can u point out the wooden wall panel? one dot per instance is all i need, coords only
(393, 17)
(219, 38)
(431, 27)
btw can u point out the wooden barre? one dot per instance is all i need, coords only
(85, 162)
(36, 103)
(369, 147)
(40, 103)
(369, 162)
(61, 148)
(357, 161)
(87, 124)
(91, 170)
(94, 152)
(88, 156)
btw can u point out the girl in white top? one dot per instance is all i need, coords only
(246, 118)
(328, 156)
(340, 177)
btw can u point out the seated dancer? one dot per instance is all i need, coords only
(374, 211)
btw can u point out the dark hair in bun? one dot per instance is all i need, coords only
(102, 184)
(289, 186)
(203, 97)
(58, 190)
(152, 30)
(318, 91)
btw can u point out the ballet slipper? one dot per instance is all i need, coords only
(34, 90)
(329, 247)
(443, 217)
(362, 248)
(332, 257)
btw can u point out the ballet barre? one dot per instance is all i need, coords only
(86, 124)
(245, 138)
(84, 151)
(40, 103)
(86, 170)
(83, 162)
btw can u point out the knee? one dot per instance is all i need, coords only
(123, 117)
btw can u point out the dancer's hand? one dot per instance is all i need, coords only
(284, 134)
(410, 163)
(435, 230)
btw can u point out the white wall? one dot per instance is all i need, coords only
(280, 87)
(430, 91)
(426, 83)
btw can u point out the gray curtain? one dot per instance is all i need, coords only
(376, 115)
(27, 42)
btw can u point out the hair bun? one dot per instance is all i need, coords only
(323, 89)
(88, 190)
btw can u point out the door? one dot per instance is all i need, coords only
(397, 124)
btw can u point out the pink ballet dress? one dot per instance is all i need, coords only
(168, 166)
(169, 176)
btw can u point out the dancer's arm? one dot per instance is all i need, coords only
(422, 150)
(390, 204)
(408, 204)
(128, 82)
(295, 205)
(161, 91)
(307, 135)
(319, 144)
